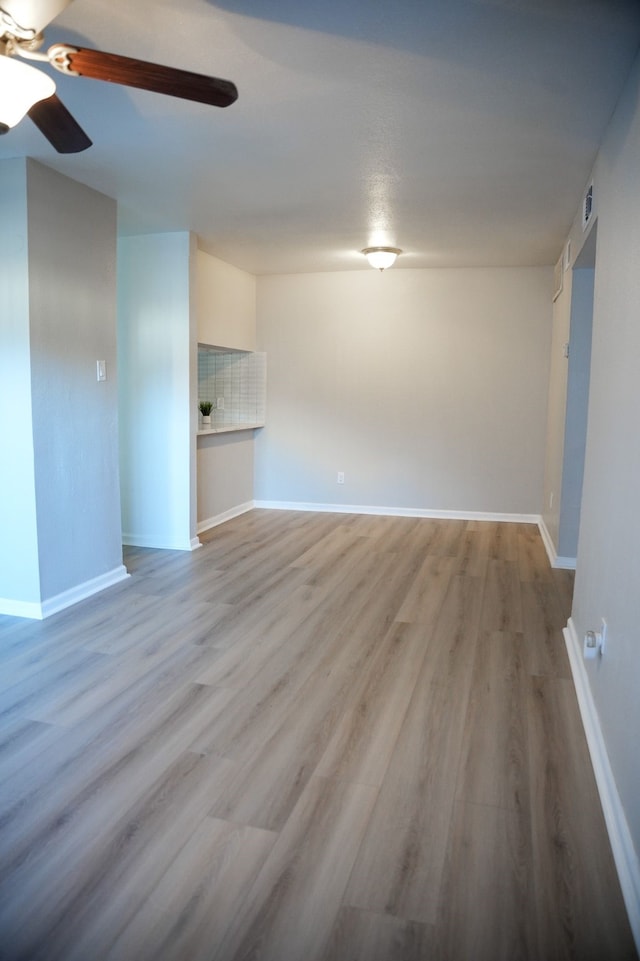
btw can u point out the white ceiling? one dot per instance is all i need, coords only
(462, 131)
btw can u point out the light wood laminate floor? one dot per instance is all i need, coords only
(318, 738)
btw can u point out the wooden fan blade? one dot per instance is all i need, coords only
(52, 119)
(152, 76)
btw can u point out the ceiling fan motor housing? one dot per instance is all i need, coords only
(21, 25)
(31, 16)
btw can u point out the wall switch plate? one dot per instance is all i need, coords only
(340, 479)
(220, 403)
(101, 370)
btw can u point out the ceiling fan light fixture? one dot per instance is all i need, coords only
(20, 87)
(381, 257)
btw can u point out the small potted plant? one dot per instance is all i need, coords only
(205, 409)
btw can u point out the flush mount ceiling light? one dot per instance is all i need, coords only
(381, 257)
(21, 86)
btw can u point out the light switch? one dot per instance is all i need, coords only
(101, 369)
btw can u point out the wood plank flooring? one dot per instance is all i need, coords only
(318, 738)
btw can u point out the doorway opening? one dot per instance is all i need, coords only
(576, 413)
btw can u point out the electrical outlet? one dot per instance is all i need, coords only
(595, 641)
(220, 403)
(340, 479)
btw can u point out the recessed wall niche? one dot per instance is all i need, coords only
(235, 383)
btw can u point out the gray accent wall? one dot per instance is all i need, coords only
(60, 483)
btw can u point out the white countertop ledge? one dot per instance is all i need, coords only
(227, 429)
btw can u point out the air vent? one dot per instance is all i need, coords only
(587, 206)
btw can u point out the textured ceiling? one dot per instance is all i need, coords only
(462, 131)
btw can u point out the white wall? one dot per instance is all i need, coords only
(19, 569)
(226, 311)
(158, 384)
(426, 387)
(225, 304)
(608, 565)
(225, 475)
(62, 439)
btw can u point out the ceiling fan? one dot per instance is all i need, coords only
(26, 90)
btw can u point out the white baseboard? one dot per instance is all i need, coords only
(134, 540)
(397, 511)
(38, 611)
(210, 522)
(30, 609)
(624, 853)
(563, 563)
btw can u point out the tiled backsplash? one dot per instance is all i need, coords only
(236, 378)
